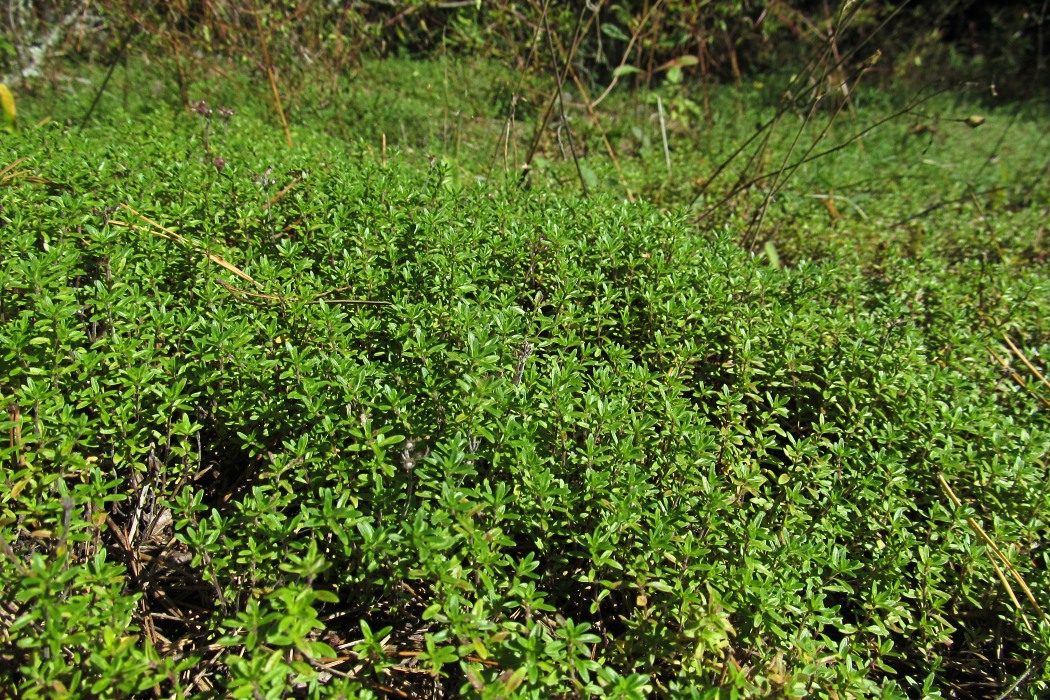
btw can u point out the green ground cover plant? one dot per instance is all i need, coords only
(351, 421)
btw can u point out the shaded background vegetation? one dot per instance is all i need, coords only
(1001, 43)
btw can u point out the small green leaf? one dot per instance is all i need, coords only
(326, 596)
(626, 70)
(384, 440)
(772, 255)
(612, 30)
(589, 177)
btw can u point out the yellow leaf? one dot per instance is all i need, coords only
(7, 105)
(17, 488)
(974, 121)
(511, 681)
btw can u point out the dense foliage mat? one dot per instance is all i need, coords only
(303, 422)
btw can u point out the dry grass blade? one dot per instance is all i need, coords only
(556, 99)
(170, 235)
(287, 188)
(1017, 377)
(4, 173)
(6, 550)
(562, 73)
(270, 75)
(316, 300)
(976, 527)
(626, 54)
(1035, 664)
(8, 178)
(596, 120)
(1024, 359)
(167, 233)
(9, 175)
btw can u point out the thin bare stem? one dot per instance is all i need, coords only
(270, 74)
(663, 133)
